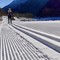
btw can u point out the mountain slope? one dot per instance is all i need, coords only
(26, 6)
(36, 7)
(52, 8)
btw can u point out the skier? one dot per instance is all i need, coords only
(10, 15)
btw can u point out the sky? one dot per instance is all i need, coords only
(4, 3)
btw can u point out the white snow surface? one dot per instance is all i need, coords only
(30, 25)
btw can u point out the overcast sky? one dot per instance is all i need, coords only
(5, 2)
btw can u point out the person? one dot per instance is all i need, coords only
(10, 15)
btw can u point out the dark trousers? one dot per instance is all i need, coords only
(9, 20)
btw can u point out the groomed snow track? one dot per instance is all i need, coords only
(16, 47)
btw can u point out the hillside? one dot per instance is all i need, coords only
(52, 8)
(1, 12)
(26, 6)
(36, 7)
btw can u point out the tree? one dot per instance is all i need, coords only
(2, 12)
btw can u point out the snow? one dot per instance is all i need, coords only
(50, 52)
(49, 27)
(45, 49)
(44, 38)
